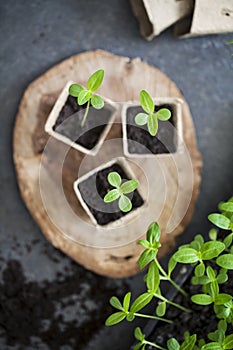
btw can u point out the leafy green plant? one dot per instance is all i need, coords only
(120, 191)
(150, 117)
(211, 261)
(87, 95)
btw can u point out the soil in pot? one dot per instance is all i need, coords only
(201, 321)
(93, 190)
(142, 142)
(88, 135)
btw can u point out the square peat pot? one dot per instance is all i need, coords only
(93, 186)
(64, 122)
(137, 142)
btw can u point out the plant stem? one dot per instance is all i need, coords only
(172, 303)
(86, 113)
(154, 345)
(169, 278)
(152, 317)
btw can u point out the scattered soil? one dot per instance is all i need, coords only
(69, 120)
(141, 142)
(63, 314)
(94, 199)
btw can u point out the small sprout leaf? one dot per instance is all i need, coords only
(161, 309)
(146, 257)
(202, 299)
(228, 206)
(141, 302)
(83, 97)
(225, 261)
(186, 256)
(115, 318)
(114, 179)
(213, 234)
(199, 270)
(129, 186)
(212, 346)
(111, 196)
(138, 334)
(222, 299)
(171, 265)
(146, 102)
(97, 102)
(141, 119)
(95, 80)
(173, 344)
(130, 317)
(228, 342)
(220, 221)
(144, 243)
(75, 89)
(153, 233)
(189, 343)
(115, 302)
(211, 250)
(152, 279)
(152, 124)
(228, 240)
(163, 114)
(126, 301)
(124, 203)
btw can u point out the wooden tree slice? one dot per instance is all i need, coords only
(43, 165)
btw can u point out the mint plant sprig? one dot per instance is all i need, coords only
(120, 191)
(150, 117)
(87, 95)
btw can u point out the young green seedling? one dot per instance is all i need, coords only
(150, 117)
(120, 191)
(87, 95)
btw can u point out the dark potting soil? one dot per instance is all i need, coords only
(69, 120)
(61, 314)
(95, 188)
(141, 142)
(201, 321)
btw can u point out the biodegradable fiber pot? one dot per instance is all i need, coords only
(93, 186)
(64, 123)
(137, 141)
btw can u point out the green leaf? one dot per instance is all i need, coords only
(220, 221)
(126, 301)
(114, 179)
(171, 265)
(222, 278)
(228, 206)
(115, 302)
(141, 302)
(146, 257)
(115, 318)
(228, 342)
(97, 102)
(141, 118)
(211, 250)
(222, 325)
(137, 346)
(144, 243)
(153, 233)
(124, 203)
(152, 124)
(138, 334)
(129, 186)
(229, 42)
(130, 317)
(228, 240)
(214, 289)
(199, 270)
(225, 261)
(212, 346)
(163, 114)
(83, 97)
(75, 89)
(189, 343)
(146, 102)
(213, 234)
(111, 196)
(161, 309)
(95, 80)
(186, 256)
(201, 299)
(173, 344)
(152, 279)
(222, 299)
(210, 273)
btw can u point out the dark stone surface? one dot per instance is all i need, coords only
(36, 35)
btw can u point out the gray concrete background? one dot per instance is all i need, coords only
(34, 36)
